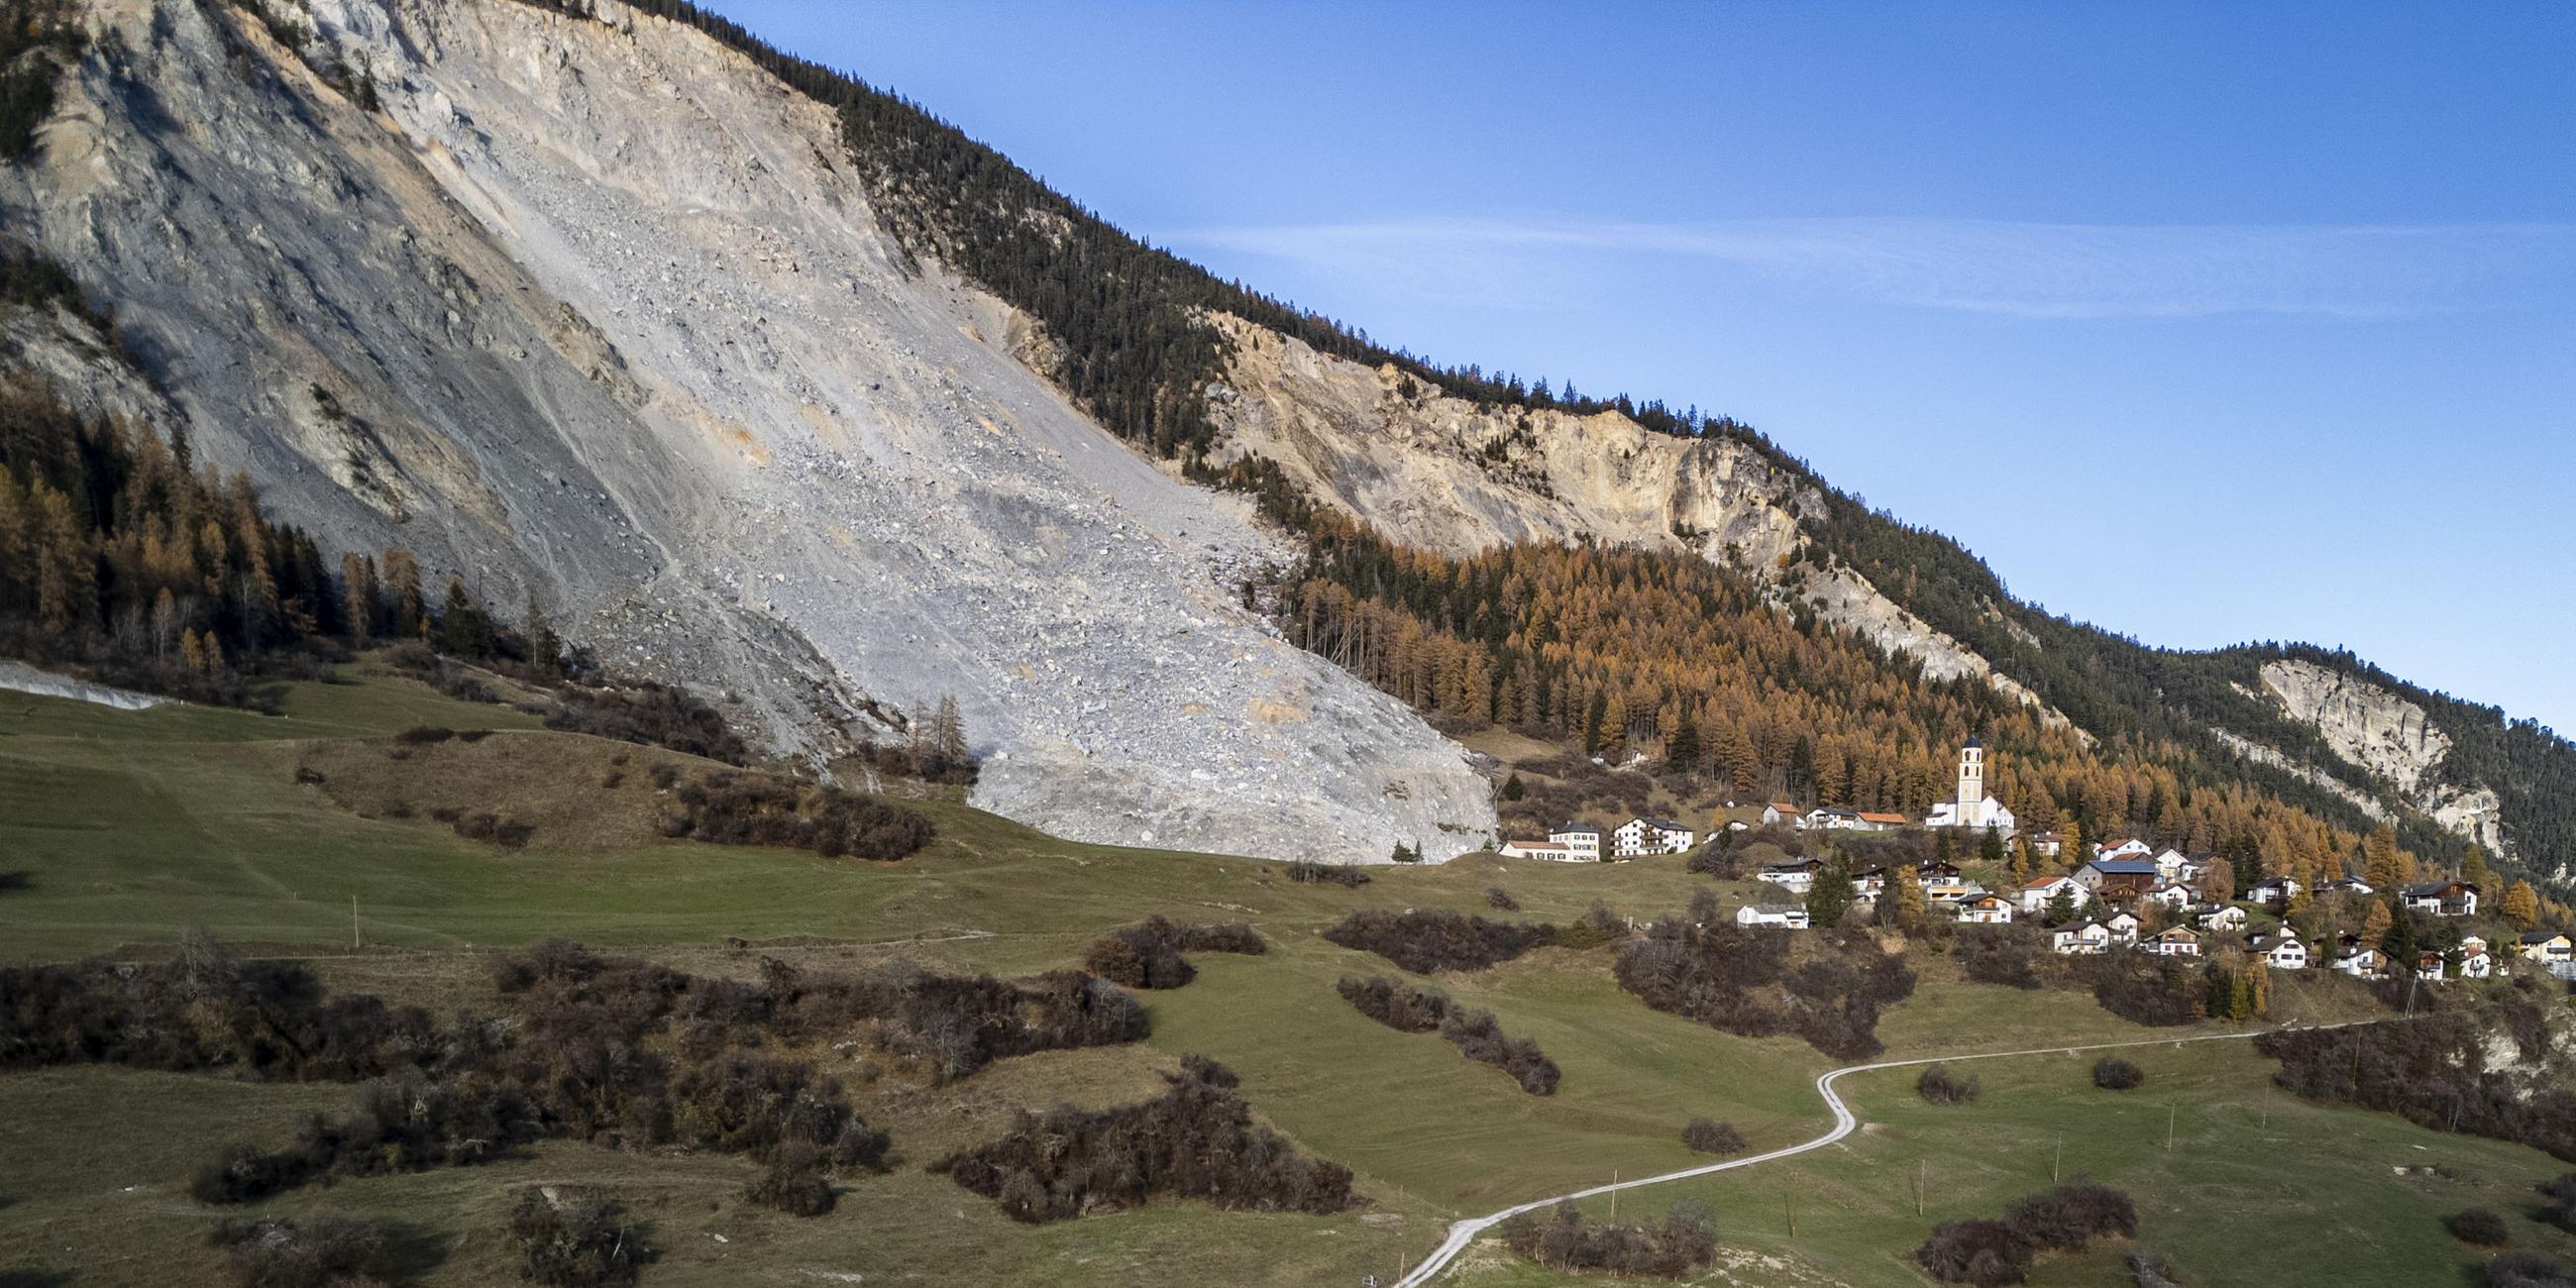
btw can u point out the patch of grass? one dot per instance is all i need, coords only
(131, 825)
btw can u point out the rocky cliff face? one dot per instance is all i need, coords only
(592, 311)
(2387, 738)
(1445, 474)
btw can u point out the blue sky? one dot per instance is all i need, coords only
(2202, 322)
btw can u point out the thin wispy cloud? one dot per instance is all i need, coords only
(2021, 269)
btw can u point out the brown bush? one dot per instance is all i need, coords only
(1706, 1137)
(1196, 1140)
(318, 1251)
(581, 1239)
(1941, 1087)
(1426, 940)
(1563, 1240)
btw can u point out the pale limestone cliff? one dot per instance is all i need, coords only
(2384, 737)
(1445, 474)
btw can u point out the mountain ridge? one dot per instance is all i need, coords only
(1149, 347)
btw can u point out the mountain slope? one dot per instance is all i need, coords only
(593, 312)
(781, 379)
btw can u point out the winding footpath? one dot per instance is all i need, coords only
(1463, 1233)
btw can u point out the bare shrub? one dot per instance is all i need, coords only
(1941, 1087)
(2117, 1075)
(319, 1251)
(581, 1239)
(1705, 1136)
(1197, 1140)
(1564, 1240)
(2480, 1226)
(1309, 872)
(1425, 940)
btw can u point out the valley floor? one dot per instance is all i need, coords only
(131, 825)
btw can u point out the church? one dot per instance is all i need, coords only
(1972, 807)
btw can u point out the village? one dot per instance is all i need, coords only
(2124, 894)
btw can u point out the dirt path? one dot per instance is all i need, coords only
(1463, 1233)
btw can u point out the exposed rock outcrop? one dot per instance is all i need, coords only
(593, 311)
(1445, 474)
(2386, 737)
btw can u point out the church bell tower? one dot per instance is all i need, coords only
(1972, 780)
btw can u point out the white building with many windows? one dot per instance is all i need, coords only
(1639, 837)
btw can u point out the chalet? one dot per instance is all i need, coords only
(2428, 966)
(2037, 893)
(2181, 941)
(2176, 897)
(1639, 837)
(2048, 843)
(2362, 963)
(2282, 950)
(2274, 892)
(2123, 927)
(1795, 877)
(2349, 886)
(2443, 899)
(2090, 937)
(1950, 889)
(2170, 864)
(1786, 915)
(1581, 839)
(1985, 910)
(1930, 868)
(1777, 812)
(1869, 882)
(2546, 947)
(2477, 965)
(1832, 818)
(1555, 851)
(2130, 849)
(2472, 944)
(2224, 919)
(2136, 876)
(1880, 822)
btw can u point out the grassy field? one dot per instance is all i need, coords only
(131, 825)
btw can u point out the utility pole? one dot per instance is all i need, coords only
(353, 923)
(2056, 1159)
(1789, 1208)
(1919, 1166)
(1614, 1196)
(2172, 1108)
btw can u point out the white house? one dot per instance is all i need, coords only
(2037, 893)
(1555, 851)
(2181, 941)
(2176, 897)
(2274, 891)
(1869, 882)
(2048, 843)
(2123, 927)
(2477, 965)
(1639, 837)
(2128, 849)
(1775, 813)
(2443, 899)
(1971, 806)
(2283, 950)
(2428, 967)
(1795, 877)
(2363, 963)
(1986, 910)
(1582, 841)
(2547, 947)
(2170, 863)
(1788, 915)
(1940, 889)
(2224, 919)
(2090, 937)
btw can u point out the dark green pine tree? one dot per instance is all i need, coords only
(1831, 895)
